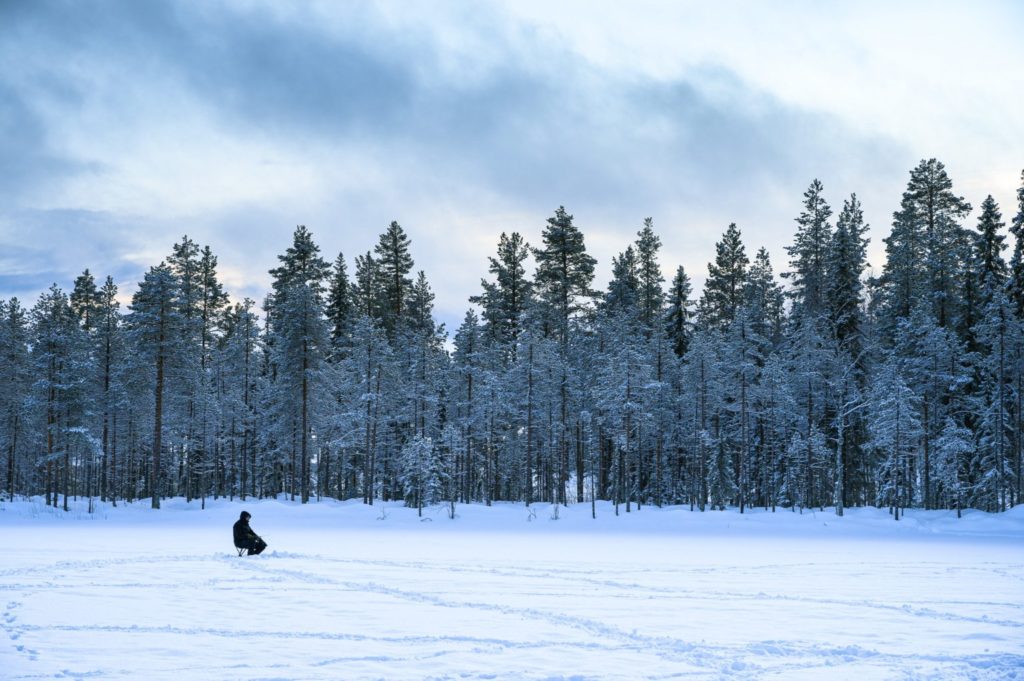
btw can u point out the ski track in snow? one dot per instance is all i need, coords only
(291, 615)
(769, 656)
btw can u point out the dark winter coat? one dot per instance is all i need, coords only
(244, 536)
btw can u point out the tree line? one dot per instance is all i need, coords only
(837, 390)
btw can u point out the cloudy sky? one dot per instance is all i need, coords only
(125, 125)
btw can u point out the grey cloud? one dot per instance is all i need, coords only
(542, 125)
(539, 127)
(26, 159)
(43, 247)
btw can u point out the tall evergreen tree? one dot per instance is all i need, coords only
(85, 300)
(15, 377)
(63, 366)
(1016, 274)
(564, 273)
(110, 359)
(648, 273)
(723, 290)
(156, 323)
(904, 278)
(679, 317)
(394, 263)
(764, 300)
(809, 254)
(933, 202)
(623, 296)
(299, 348)
(991, 269)
(365, 294)
(895, 428)
(847, 258)
(505, 300)
(339, 302)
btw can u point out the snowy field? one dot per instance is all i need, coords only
(348, 591)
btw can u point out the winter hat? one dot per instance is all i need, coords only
(245, 515)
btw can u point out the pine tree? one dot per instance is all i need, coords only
(85, 300)
(467, 374)
(939, 210)
(156, 323)
(300, 347)
(564, 273)
(15, 377)
(239, 362)
(110, 356)
(370, 373)
(563, 279)
(300, 264)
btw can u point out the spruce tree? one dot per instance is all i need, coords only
(903, 282)
(727, 276)
(763, 298)
(894, 428)
(678, 318)
(1016, 274)
(394, 263)
(365, 294)
(847, 258)
(809, 254)
(339, 303)
(991, 271)
(648, 273)
(623, 296)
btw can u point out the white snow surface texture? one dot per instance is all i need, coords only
(350, 591)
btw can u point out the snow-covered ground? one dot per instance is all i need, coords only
(348, 591)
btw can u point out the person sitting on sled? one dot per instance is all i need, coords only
(245, 538)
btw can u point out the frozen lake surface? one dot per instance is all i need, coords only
(348, 591)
